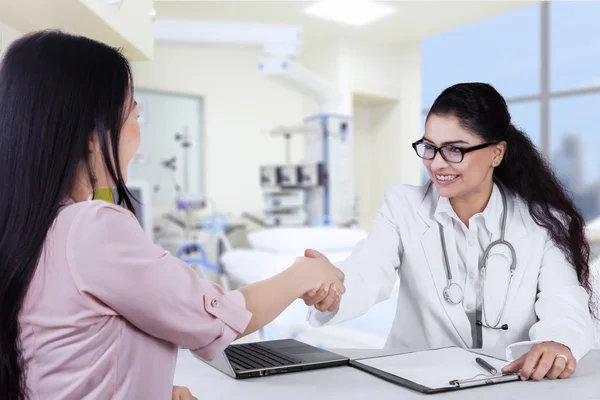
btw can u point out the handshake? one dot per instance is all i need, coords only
(327, 285)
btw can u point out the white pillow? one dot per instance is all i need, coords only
(296, 240)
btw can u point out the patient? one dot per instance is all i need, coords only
(90, 308)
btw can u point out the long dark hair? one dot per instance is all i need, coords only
(55, 91)
(483, 111)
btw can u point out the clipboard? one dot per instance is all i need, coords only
(435, 371)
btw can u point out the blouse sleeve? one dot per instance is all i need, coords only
(115, 264)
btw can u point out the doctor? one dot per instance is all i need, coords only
(491, 253)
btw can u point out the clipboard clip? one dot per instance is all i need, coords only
(486, 380)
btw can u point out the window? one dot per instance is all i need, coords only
(575, 49)
(503, 51)
(574, 145)
(526, 117)
(561, 114)
(170, 157)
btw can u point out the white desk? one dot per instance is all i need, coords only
(346, 382)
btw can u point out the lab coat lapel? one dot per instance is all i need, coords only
(432, 248)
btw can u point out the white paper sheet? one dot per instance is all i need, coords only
(435, 368)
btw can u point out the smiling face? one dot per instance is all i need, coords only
(470, 176)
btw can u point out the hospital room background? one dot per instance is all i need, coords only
(269, 127)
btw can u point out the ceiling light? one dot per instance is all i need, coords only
(351, 12)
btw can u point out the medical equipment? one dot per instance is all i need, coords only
(325, 176)
(454, 294)
(280, 45)
(326, 172)
(193, 252)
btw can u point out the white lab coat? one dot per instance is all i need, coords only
(545, 301)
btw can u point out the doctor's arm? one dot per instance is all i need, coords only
(370, 271)
(564, 326)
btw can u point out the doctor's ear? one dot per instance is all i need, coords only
(499, 150)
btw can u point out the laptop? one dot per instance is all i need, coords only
(250, 360)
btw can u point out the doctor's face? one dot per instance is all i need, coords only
(457, 179)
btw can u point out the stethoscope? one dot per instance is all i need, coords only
(454, 294)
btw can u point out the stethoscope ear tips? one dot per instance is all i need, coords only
(503, 327)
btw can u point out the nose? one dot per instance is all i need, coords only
(438, 162)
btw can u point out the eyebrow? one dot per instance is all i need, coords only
(451, 142)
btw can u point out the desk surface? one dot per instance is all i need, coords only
(346, 382)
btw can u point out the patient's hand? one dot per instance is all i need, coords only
(182, 393)
(327, 298)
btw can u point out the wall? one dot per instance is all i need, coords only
(130, 26)
(7, 36)
(364, 148)
(392, 72)
(240, 107)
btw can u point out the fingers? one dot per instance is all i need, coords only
(339, 274)
(326, 303)
(516, 365)
(542, 361)
(557, 368)
(544, 365)
(331, 301)
(569, 368)
(531, 360)
(340, 287)
(182, 393)
(335, 304)
(310, 253)
(313, 297)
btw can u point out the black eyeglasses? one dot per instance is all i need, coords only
(450, 153)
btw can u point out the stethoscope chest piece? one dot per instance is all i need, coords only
(453, 293)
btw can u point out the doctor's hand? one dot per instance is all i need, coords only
(327, 297)
(544, 360)
(182, 393)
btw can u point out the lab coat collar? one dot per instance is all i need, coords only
(491, 215)
(432, 203)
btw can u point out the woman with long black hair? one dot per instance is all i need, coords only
(491, 253)
(89, 307)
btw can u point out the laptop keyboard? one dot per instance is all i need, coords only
(255, 356)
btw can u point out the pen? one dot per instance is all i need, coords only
(489, 368)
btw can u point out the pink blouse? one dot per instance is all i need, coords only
(106, 310)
